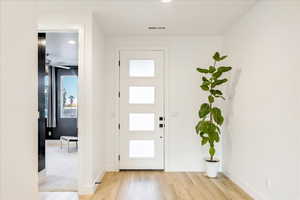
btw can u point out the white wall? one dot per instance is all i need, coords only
(262, 138)
(184, 54)
(18, 106)
(1, 56)
(98, 103)
(18, 92)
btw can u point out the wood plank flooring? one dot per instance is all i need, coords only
(152, 185)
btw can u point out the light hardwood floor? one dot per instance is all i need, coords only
(152, 185)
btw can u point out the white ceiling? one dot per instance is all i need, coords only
(147, 1)
(181, 17)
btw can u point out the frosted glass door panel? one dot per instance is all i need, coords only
(141, 68)
(141, 95)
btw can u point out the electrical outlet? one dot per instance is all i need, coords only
(268, 183)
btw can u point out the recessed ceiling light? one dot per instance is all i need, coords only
(72, 42)
(156, 27)
(166, 1)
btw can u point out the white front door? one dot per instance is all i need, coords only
(142, 110)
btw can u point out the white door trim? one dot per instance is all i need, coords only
(166, 101)
(82, 124)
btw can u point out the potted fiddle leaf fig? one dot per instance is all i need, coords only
(211, 118)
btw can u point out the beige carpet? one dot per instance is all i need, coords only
(61, 174)
(59, 196)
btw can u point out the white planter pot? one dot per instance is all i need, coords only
(212, 169)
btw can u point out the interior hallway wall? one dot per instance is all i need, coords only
(184, 55)
(1, 50)
(98, 103)
(261, 144)
(18, 92)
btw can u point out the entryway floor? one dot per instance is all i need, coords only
(61, 173)
(149, 185)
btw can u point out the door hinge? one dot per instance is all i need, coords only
(119, 126)
(119, 157)
(119, 63)
(119, 94)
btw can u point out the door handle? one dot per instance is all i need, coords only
(161, 122)
(161, 137)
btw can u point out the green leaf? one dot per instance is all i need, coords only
(217, 74)
(207, 83)
(204, 141)
(224, 69)
(204, 87)
(213, 137)
(216, 57)
(207, 127)
(212, 151)
(223, 57)
(219, 131)
(211, 99)
(216, 136)
(204, 110)
(216, 92)
(204, 78)
(205, 71)
(217, 115)
(212, 69)
(218, 96)
(218, 82)
(198, 127)
(202, 134)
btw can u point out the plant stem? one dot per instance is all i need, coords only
(210, 114)
(211, 120)
(210, 104)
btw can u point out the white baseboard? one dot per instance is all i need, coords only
(91, 189)
(111, 167)
(99, 178)
(248, 189)
(86, 190)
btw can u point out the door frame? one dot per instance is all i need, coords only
(82, 62)
(41, 106)
(165, 102)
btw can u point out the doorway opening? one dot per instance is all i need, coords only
(58, 111)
